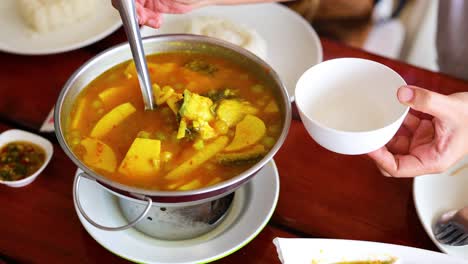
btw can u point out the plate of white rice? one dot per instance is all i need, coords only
(273, 32)
(39, 27)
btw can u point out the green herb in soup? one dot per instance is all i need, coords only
(201, 66)
(212, 122)
(19, 160)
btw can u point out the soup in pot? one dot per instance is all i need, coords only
(213, 120)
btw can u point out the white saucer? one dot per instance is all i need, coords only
(436, 194)
(252, 208)
(293, 45)
(16, 37)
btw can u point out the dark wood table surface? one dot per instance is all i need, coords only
(323, 194)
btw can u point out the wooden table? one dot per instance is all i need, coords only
(323, 194)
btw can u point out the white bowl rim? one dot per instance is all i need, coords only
(343, 132)
(46, 146)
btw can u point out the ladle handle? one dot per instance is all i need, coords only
(129, 18)
(76, 200)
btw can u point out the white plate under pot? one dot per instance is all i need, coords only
(251, 209)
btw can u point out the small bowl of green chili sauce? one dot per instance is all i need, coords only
(23, 156)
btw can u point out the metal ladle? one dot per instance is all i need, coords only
(128, 14)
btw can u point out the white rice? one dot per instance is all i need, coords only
(49, 15)
(226, 30)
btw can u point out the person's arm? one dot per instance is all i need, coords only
(426, 146)
(149, 11)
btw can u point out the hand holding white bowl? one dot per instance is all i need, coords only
(348, 105)
(426, 146)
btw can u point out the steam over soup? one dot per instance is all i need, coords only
(213, 120)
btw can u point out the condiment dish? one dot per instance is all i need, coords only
(14, 135)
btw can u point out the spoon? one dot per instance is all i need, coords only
(128, 14)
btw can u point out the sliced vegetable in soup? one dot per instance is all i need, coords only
(213, 120)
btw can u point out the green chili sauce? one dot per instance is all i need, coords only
(20, 159)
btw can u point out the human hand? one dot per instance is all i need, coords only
(426, 146)
(149, 11)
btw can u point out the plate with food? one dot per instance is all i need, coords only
(337, 251)
(23, 156)
(273, 32)
(439, 193)
(250, 211)
(38, 27)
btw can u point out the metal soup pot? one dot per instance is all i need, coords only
(154, 45)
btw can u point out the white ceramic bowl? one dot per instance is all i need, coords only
(20, 135)
(350, 105)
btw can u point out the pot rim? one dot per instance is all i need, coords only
(191, 195)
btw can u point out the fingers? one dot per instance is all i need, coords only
(397, 165)
(411, 122)
(384, 173)
(203, 3)
(150, 11)
(148, 17)
(425, 159)
(384, 160)
(423, 134)
(413, 133)
(155, 22)
(198, 3)
(172, 7)
(401, 142)
(425, 101)
(141, 14)
(399, 145)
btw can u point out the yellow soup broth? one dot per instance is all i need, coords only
(213, 120)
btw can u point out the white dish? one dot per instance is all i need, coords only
(20, 135)
(436, 194)
(292, 44)
(252, 207)
(16, 37)
(349, 105)
(329, 251)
